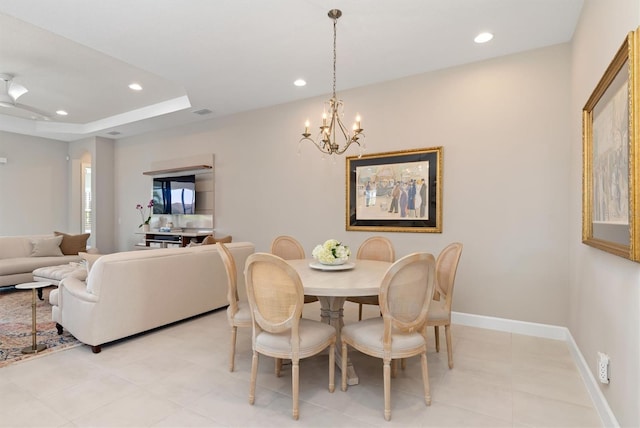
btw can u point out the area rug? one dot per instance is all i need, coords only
(15, 326)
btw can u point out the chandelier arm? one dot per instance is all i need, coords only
(318, 146)
(344, 130)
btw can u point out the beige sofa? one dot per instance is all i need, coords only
(135, 291)
(17, 259)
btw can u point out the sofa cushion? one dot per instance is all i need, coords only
(47, 247)
(72, 244)
(29, 264)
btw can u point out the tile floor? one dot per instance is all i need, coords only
(178, 377)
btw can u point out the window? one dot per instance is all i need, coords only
(86, 198)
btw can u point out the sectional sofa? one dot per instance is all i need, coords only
(136, 291)
(20, 255)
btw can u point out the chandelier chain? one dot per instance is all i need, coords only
(335, 21)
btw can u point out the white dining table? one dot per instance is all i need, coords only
(332, 285)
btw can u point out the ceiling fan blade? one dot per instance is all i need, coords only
(42, 114)
(16, 90)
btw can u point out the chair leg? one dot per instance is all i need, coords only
(447, 334)
(232, 351)
(403, 363)
(254, 376)
(386, 371)
(332, 367)
(295, 373)
(278, 366)
(425, 378)
(360, 311)
(435, 328)
(344, 366)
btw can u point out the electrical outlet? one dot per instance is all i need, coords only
(603, 367)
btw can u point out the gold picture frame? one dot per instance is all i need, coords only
(395, 191)
(610, 146)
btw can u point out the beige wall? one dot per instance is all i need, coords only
(504, 127)
(604, 298)
(33, 185)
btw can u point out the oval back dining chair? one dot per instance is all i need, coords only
(238, 312)
(374, 248)
(440, 313)
(289, 248)
(405, 294)
(276, 297)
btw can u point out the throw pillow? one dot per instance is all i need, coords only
(47, 247)
(209, 240)
(72, 244)
(89, 259)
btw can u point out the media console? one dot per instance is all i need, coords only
(157, 239)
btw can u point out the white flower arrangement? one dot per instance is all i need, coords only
(332, 252)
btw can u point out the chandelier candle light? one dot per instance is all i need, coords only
(331, 120)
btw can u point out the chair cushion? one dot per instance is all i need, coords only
(312, 333)
(72, 244)
(368, 334)
(47, 247)
(438, 311)
(243, 316)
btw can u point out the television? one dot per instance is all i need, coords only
(174, 195)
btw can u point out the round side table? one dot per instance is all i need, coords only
(33, 286)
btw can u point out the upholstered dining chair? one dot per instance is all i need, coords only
(289, 248)
(440, 312)
(238, 312)
(276, 298)
(405, 294)
(374, 248)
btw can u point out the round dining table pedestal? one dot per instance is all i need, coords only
(332, 287)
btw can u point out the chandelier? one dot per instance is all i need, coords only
(332, 125)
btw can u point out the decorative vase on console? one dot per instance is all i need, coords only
(146, 227)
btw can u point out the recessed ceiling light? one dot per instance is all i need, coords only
(483, 37)
(61, 113)
(300, 82)
(135, 87)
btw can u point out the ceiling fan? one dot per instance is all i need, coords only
(10, 91)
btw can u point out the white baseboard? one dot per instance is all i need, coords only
(548, 332)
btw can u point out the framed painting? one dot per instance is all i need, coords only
(395, 191)
(610, 146)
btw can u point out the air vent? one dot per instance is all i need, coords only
(114, 133)
(203, 111)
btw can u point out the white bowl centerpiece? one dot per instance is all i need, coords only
(332, 252)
